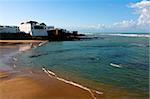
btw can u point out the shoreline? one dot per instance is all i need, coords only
(32, 84)
(21, 41)
(91, 91)
(39, 82)
(36, 84)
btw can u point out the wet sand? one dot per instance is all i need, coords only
(34, 84)
(21, 41)
(38, 86)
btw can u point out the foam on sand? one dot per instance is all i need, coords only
(53, 75)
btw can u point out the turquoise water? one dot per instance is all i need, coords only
(88, 62)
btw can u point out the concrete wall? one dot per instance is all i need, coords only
(9, 29)
(39, 32)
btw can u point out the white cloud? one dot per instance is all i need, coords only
(88, 27)
(143, 9)
(144, 18)
(141, 4)
(141, 24)
(125, 24)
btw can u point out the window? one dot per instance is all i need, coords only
(38, 27)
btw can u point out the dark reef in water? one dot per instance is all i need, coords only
(37, 55)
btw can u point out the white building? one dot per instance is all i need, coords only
(34, 28)
(9, 29)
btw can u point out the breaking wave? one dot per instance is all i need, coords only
(131, 35)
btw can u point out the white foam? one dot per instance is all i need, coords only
(25, 47)
(15, 59)
(41, 44)
(52, 74)
(115, 65)
(131, 35)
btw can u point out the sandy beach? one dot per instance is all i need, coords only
(36, 86)
(21, 41)
(33, 84)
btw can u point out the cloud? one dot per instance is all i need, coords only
(141, 24)
(125, 24)
(141, 4)
(143, 9)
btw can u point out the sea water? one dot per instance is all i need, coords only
(119, 61)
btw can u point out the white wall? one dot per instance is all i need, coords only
(25, 28)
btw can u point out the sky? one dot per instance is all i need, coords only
(81, 15)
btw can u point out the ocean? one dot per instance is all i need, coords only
(106, 63)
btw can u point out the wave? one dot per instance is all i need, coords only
(42, 43)
(125, 46)
(25, 47)
(130, 35)
(91, 91)
(115, 65)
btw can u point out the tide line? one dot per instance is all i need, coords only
(53, 75)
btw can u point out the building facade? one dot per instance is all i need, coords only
(9, 29)
(50, 28)
(34, 28)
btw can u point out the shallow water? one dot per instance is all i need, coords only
(90, 62)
